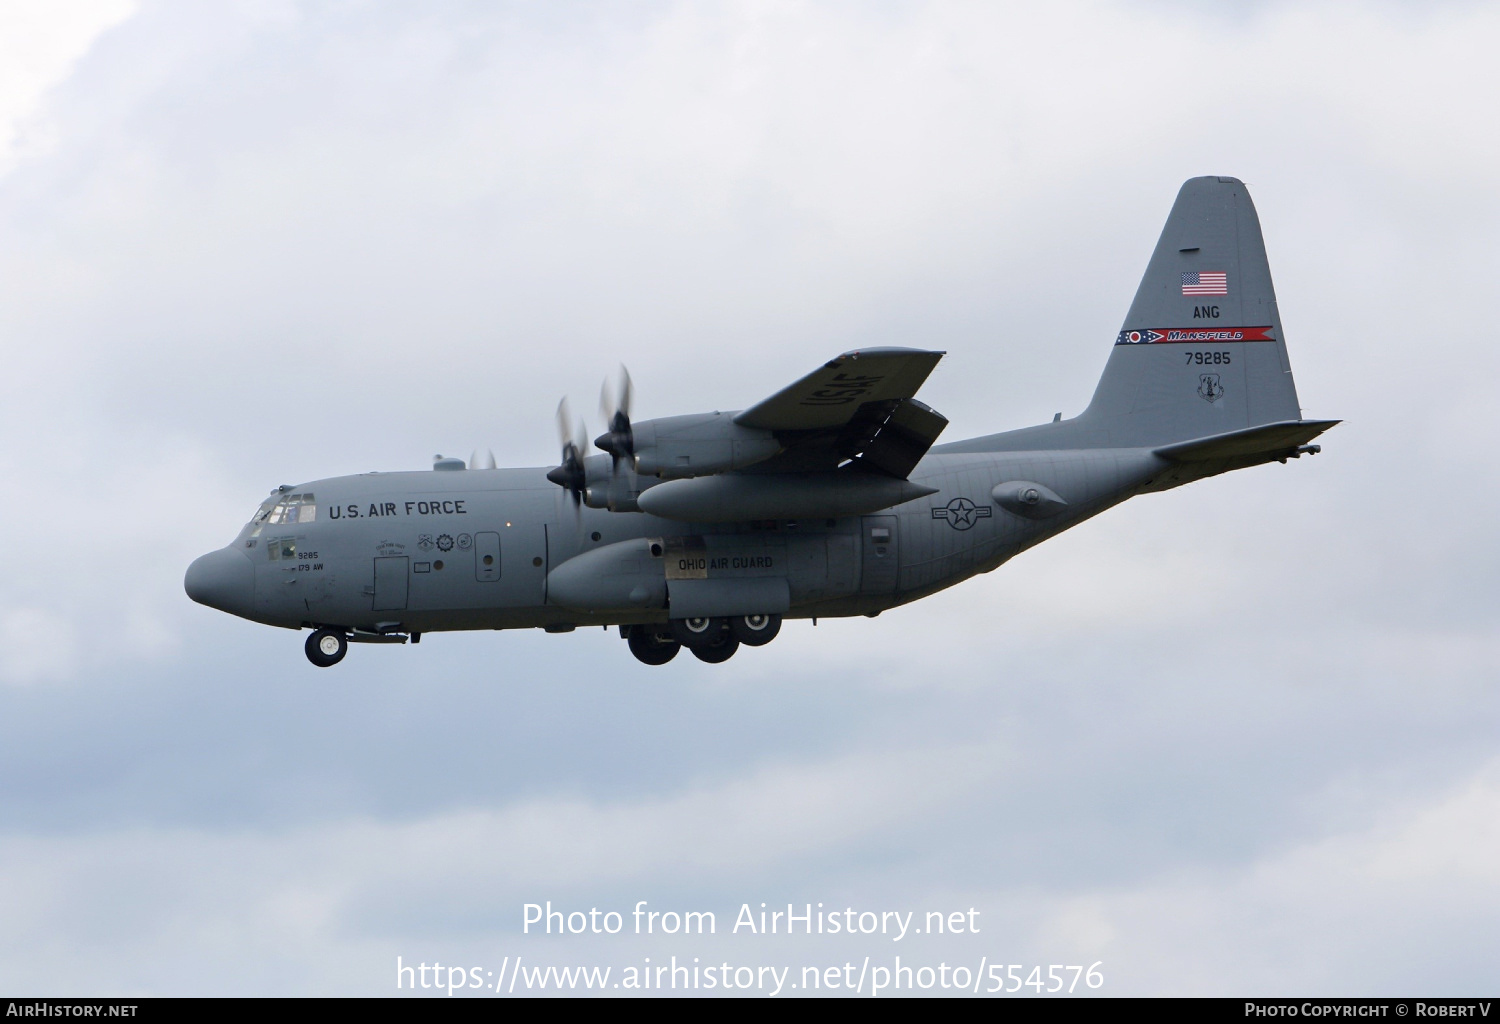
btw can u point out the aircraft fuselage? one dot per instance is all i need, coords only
(473, 549)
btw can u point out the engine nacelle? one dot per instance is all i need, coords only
(606, 487)
(678, 447)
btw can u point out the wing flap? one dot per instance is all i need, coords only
(904, 438)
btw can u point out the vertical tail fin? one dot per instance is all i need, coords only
(1201, 351)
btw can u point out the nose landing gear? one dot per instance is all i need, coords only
(326, 647)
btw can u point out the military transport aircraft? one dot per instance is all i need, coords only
(827, 498)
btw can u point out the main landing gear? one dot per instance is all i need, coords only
(326, 647)
(713, 640)
(651, 647)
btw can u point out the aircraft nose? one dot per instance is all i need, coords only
(223, 579)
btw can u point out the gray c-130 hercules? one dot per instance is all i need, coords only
(826, 499)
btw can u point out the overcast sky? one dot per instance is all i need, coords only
(1238, 738)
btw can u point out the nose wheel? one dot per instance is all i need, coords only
(326, 647)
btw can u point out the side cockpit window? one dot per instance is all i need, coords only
(258, 521)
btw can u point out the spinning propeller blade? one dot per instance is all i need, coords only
(570, 474)
(618, 439)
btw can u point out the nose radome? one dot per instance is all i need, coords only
(223, 579)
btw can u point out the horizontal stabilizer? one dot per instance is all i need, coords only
(1269, 440)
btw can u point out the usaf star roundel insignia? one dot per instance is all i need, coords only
(961, 513)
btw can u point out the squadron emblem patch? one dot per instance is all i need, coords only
(1209, 387)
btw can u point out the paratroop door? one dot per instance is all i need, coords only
(390, 584)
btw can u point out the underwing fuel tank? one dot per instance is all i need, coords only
(741, 497)
(627, 576)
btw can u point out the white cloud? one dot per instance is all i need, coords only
(40, 43)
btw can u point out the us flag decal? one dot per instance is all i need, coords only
(1205, 282)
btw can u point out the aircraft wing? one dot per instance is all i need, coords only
(831, 395)
(858, 407)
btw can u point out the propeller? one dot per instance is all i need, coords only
(619, 439)
(570, 474)
(485, 462)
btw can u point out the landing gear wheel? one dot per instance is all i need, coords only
(719, 652)
(651, 648)
(755, 630)
(698, 632)
(326, 647)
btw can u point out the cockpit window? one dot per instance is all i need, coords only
(284, 510)
(292, 508)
